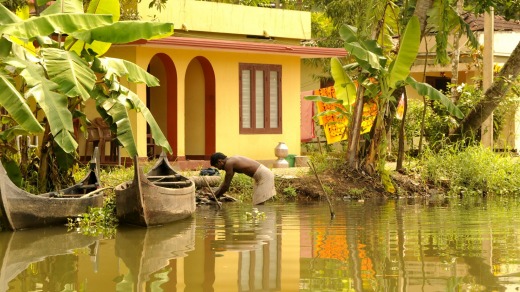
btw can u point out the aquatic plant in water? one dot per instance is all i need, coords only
(254, 215)
(97, 221)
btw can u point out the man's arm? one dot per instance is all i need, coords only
(224, 187)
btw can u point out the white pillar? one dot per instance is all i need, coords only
(487, 74)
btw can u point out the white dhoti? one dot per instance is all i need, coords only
(263, 187)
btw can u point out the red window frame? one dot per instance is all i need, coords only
(248, 103)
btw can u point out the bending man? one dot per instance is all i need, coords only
(263, 187)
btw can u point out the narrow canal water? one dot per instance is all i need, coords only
(384, 245)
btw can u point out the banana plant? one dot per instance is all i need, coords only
(378, 75)
(66, 67)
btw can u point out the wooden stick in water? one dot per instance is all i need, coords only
(311, 165)
(211, 190)
(95, 192)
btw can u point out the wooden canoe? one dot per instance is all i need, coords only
(21, 209)
(158, 197)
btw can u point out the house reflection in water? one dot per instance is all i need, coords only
(238, 251)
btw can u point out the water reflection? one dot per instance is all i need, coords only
(409, 246)
(23, 254)
(243, 231)
(147, 252)
(249, 237)
(375, 245)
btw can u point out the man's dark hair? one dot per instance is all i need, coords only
(216, 157)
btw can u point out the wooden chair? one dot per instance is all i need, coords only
(107, 137)
(150, 146)
(93, 137)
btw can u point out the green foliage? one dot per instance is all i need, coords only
(329, 191)
(356, 192)
(507, 109)
(241, 187)
(507, 8)
(408, 49)
(98, 221)
(471, 171)
(68, 78)
(425, 89)
(378, 74)
(327, 161)
(343, 84)
(438, 121)
(15, 5)
(329, 16)
(290, 192)
(43, 89)
(113, 176)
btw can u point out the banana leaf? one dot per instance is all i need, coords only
(111, 7)
(426, 90)
(5, 47)
(123, 32)
(49, 24)
(72, 74)
(15, 104)
(390, 27)
(64, 6)
(408, 50)
(366, 58)
(343, 85)
(123, 68)
(117, 110)
(31, 73)
(7, 16)
(55, 107)
(157, 134)
(323, 99)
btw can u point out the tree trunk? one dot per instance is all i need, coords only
(38, 9)
(421, 10)
(24, 155)
(400, 152)
(425, 105)
(377, 140)
(492, 97)
(43, 171)
(355, 129)
(455, 57)
(423, 125)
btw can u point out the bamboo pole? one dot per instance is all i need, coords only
(219, 204)
(311, 165)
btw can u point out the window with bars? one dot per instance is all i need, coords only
(260, 99)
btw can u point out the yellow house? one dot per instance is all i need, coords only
(230, 79)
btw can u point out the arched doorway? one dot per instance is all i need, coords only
(162, 100)
(200, 109)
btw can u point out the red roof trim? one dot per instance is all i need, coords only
(237, 46)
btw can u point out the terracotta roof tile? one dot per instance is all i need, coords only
(476, 23)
